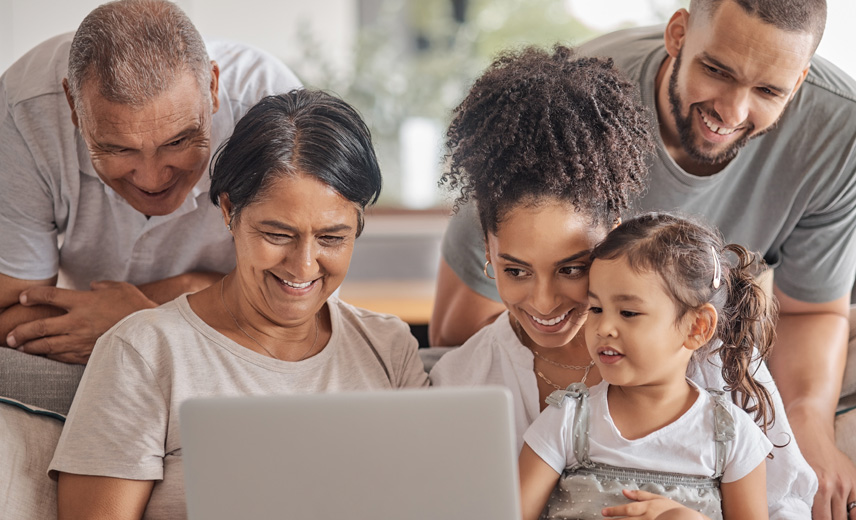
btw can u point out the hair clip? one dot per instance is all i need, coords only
(717, 268)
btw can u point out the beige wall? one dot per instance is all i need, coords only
(269, 24)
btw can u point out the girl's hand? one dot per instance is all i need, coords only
(648, 506)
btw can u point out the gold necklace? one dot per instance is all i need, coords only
(557, 387)
(560, 365)
(516, 327)
(223, 301)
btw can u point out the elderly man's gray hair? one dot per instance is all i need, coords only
(133, 50)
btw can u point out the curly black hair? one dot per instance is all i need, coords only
(540, 124)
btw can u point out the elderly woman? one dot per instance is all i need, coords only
(292, 184)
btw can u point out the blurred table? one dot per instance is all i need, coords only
(410, 300)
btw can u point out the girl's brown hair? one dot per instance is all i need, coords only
(687, 256)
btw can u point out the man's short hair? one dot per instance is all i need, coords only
(806, 16)
(134, 50)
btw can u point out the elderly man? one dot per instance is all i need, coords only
(105, 140)
(760, 138)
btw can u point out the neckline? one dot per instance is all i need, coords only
(664, 430)
(220, 340)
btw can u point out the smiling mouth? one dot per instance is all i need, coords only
(715, 128)
(609, 356)
(551, 322)
(294, 285)
(157, 193)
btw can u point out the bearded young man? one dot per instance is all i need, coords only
(105, 140)
(757, 135)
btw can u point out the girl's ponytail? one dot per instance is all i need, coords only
(746, 323)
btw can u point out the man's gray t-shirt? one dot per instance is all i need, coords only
(51, 193)
(789, 194)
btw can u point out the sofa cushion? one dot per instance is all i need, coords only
(845, 433)
(430, 356)
(37, 380)
(29, 436)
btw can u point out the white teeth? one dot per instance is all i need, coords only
(554, 321)
(296, 285)
(716, 129)
(610, 353)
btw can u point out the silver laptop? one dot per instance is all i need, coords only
(432, 454)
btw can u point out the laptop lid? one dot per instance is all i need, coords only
(440, 453)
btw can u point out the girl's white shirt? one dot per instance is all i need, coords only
(684, 446)
(494, 356)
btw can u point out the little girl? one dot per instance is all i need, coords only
(647, 440)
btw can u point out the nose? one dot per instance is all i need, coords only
(603, 326)
(545, 299)
(151, 174)
(302, 261)
(733, 106)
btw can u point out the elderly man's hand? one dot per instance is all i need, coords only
(70, 336)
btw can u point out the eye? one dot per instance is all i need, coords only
(514, 272)
(277, 238)
(595, 310)
(629, 314)
(714, 71)
(573, 271)
(177, 142)
(331, 240)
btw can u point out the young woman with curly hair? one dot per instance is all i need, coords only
(549, 145)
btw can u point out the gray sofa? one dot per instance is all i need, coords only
(36, 393)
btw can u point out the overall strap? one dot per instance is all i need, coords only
(579, 394)
(723, 428)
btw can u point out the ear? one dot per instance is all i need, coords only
(799, 82)
(70, 101)
(226, 209)
(676, 32)
(215, 87)
(702, 327)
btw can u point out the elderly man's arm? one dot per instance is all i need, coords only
(807, 364)
(64, 324)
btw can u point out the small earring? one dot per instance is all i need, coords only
(485, 270)
(229, 227)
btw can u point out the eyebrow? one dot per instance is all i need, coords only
(338, 228)
(719, 65)
(619, 298)
(575, 256)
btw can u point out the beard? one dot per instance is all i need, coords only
(688, 136)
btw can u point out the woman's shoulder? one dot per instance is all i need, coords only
(476, 359)
(352, 316)
(386, 334)
(163, 321)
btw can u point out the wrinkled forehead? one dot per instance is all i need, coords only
(183, 107)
